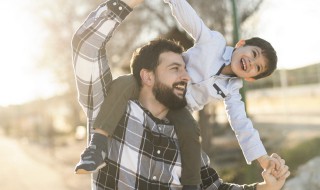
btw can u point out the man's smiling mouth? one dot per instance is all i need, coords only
(181, 86)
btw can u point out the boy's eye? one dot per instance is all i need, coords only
(254, 54)
(258, 68)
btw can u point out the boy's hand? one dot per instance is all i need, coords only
(265, 161)
(270, 181)
(277, 171)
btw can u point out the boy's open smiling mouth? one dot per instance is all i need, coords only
(243, 64)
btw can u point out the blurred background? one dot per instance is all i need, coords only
(42, 127)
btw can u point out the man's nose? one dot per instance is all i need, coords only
(185, 76)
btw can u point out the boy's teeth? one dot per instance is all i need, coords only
(244, 65)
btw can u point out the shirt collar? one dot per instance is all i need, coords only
(228, 54)
(226, 58)
(164, 121)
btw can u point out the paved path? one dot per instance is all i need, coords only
(20, 171)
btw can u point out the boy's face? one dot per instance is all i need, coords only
(248, 61)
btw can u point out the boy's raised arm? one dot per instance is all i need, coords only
(189, 20)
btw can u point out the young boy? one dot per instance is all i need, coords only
(216, 72)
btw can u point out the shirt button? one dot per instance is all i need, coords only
(114, 3)
(158, 152)
(154, 177)
(120, 8)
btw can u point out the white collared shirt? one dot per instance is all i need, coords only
(204, 62)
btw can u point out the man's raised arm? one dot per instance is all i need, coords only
(92, 72)
(132, 3)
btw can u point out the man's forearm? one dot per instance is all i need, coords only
(132, 3)
(89, 55)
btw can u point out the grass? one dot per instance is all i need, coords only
(301, 154)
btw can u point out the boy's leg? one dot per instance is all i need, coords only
(122, 89)
(112, 109)
(188, 134)
(92, 158)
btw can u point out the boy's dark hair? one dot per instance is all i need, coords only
(147, 57)
(268, 52)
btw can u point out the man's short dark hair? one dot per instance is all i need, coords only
(268, 52)
(147, 57)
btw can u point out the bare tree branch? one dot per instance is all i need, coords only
(249, 12)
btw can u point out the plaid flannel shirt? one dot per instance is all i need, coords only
(143, 152)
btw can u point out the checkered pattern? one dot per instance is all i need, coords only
(92, 72)
(143, 152)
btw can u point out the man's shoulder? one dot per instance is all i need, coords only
(126, 86)
(123, 79)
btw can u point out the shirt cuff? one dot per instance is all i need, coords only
(250, 187)
(254, 153)
(119, 8)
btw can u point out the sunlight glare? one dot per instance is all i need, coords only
(21, 40)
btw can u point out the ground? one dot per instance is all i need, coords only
(28, 167)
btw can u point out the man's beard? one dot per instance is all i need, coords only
(166, 96)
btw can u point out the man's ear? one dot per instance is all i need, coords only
(240, 43)
(249, 79)
(146, 77)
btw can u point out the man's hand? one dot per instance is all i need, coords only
(270, 181)
(132, 3)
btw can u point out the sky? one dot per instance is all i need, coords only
(292, 27)
(20, 44)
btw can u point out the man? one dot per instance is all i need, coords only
(143, 151)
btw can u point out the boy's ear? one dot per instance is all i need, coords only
(249, 79)
(146, 77)
(240, 43)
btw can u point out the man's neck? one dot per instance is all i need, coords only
(149, 102)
